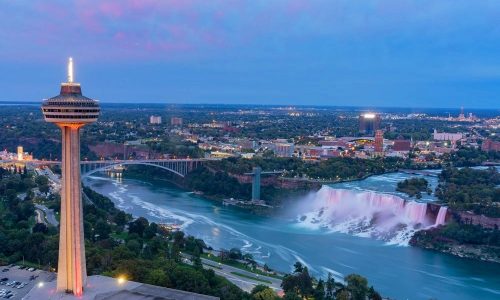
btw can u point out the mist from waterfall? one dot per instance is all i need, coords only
(367, 214)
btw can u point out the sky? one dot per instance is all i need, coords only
(403, 53)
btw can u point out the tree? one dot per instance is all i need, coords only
(330, 287)
(305, 283)
(373, 295)
(298, 267)
(102, 229)
(40, 227)
(150, 231)
(343, 295)
(265, 294)
(319, 290)
(357, 286)
(235, 253)
(157, 277)
(120, 218)
(138, 226)
(44, 189)
(134, 246)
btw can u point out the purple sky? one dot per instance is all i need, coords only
(366, 53)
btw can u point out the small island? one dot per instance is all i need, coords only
(414, 187)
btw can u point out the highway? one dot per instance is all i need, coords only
(49, 214)
(246, 284)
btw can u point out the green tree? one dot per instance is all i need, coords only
(357, 286)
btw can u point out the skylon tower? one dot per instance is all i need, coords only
(70, 111)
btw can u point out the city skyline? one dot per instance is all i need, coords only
(379, 53)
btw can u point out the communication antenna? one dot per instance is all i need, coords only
(70, 70)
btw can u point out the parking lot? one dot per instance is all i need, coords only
(16, 282)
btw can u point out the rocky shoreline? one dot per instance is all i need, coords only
(431, 239)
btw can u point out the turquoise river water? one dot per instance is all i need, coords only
(397, 271)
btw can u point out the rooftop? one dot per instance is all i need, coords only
(107, 288)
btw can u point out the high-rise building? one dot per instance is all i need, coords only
(379, 142)
(20, 153)
(155, 120)
(369, 123)
(70, 111)
(176, 121)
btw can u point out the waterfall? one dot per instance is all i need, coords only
(441, 217)
(365, 213)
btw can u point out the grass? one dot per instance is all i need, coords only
(121, 235)
(251, 277)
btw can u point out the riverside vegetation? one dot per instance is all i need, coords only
(464, 190)
(117, 244)
(414, 187)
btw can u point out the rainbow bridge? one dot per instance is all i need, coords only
(180, 167)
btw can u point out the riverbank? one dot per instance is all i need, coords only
(473, 218)
(434, 240)
(274, 197)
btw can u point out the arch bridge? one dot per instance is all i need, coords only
(180, 167)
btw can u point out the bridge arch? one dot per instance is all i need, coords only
(110, 166)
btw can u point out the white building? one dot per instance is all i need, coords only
(446, 136)
(284, 149)
(155, 119)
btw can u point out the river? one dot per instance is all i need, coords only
(399, 272)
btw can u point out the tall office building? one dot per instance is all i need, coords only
(20, 153)
(379, 142)
(70, 111)
(369, 123)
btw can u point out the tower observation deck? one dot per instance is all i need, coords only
(70, 111)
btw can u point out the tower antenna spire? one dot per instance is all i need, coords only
(70, 70)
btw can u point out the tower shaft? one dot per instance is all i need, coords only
(72, 273)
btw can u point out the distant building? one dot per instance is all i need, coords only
(283, 149)
(175, 121)
(20, 152)
(247, 144)
(401, 145)
(219, 154)
(379, 141)
(489, 145)
(369, 123)
(155, 120)
(446, 136)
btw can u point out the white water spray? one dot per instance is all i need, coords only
(367, 214)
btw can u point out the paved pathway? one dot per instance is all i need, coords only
(49, 214)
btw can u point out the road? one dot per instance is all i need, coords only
(246, 284)
(39, 216)
(49, 214)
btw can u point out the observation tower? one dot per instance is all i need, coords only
(70, 111)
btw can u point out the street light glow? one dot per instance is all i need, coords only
(121, 279)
